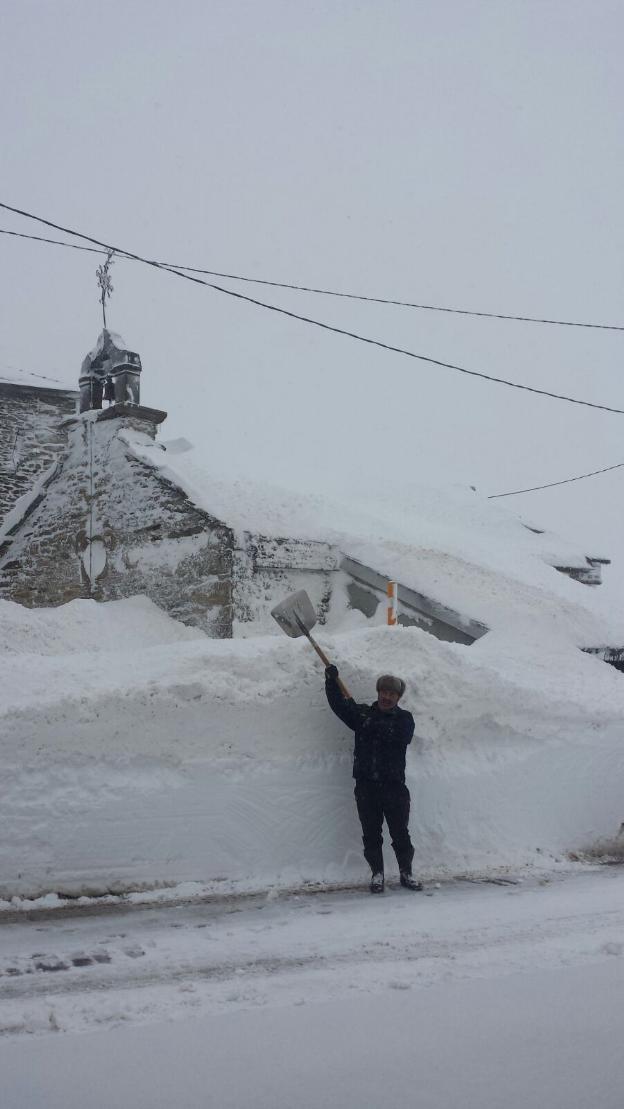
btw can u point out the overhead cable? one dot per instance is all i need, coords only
(328, 292)
(315, 323)
(551, 484)
(491, 497)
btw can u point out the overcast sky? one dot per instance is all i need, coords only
(460, 152)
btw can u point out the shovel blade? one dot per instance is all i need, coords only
(295, 614)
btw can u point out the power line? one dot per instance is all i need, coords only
(491, 497)
(551, 484)
(329, 292)
(309, 320)
(54, 242)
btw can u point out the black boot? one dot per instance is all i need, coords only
(408, 882)
(377, 882)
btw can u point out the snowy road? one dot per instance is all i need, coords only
(319, 998)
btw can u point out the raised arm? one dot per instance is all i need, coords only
(344, 707)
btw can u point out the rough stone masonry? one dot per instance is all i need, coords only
(110, 527)
(33, 435)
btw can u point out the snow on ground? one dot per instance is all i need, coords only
(80, 626)
(161, 756)
(469, 994)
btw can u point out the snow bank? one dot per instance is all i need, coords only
(137, 752)
(87, 626)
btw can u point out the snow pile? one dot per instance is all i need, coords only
(137, 752)
(88, 626)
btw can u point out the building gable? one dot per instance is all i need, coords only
(33, 435)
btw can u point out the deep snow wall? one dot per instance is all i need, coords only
(160, 756)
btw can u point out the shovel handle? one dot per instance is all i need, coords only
(321, 654)
(324, 659)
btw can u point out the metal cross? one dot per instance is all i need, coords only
(105, 282)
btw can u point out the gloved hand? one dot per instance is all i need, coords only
(331, 672)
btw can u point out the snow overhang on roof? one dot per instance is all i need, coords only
(467, 553)
(108, 354)
(28, 381)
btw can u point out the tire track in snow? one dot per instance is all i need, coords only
(473, 952)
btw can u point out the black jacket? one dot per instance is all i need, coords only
(381, 738)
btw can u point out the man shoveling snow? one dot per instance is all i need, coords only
(382, 733)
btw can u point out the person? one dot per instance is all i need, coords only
(382, 734)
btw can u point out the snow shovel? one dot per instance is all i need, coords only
(295, 616)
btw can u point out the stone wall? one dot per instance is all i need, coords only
(109, 526)
(33, 433)
(267, 569)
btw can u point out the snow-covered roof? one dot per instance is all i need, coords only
(455, 546)
(109, 351)
(106, 338)
(33, 380)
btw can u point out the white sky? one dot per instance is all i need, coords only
(462, 153)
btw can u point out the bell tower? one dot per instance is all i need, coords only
(110, 372)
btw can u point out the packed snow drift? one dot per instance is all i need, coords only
(137, 752)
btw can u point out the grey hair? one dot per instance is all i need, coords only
(389, 681)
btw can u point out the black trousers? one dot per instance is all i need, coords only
(376, 800)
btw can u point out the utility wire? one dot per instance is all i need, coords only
(491, 497)
(331, 292)
(551, 484)
(308, 319)
(55, 242)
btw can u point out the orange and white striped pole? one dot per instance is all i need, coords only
(392, 591)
